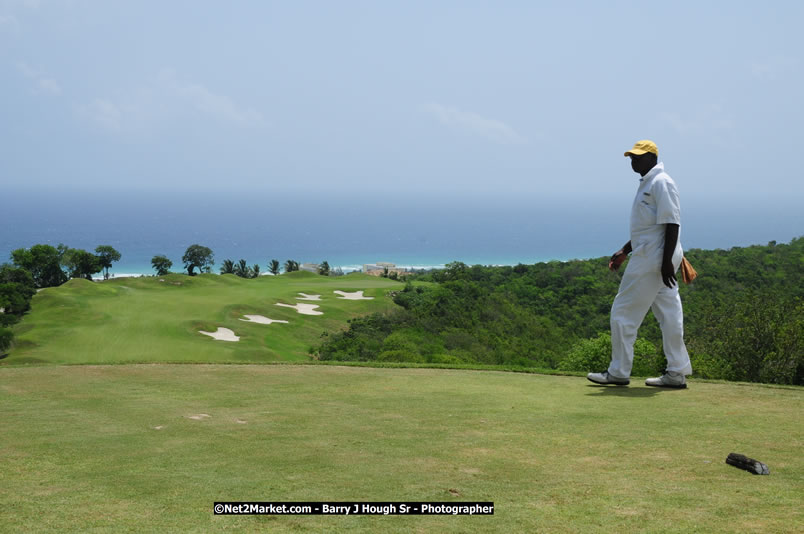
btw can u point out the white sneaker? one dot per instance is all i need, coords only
(668, 380)
(606, 378)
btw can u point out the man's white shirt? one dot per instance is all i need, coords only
(655, 205)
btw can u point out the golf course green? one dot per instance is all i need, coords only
(136, 440)
(158, 319)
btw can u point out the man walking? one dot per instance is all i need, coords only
(649, 281)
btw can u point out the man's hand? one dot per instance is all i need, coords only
(670, 241)
(617, 259)
(668, 274)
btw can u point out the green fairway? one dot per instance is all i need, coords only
(151, 447)
(157, 319)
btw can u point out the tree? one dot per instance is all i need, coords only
(273, 267)
(80, 263)
(197, 257)
(106, 256)
(162, 264)
(43, 262)
(323, 269)
(255, 271)
(6, 337)
(16, 290)
(241, 269)
(227, 267)
(291, 266)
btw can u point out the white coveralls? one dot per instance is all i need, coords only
(641, 288)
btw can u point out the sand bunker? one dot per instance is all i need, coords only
(305, 296)
(357, 295)
(305, 309)
(199, 416)
(221, 334)
(261, 319)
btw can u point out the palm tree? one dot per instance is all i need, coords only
(241, 269)
(291, 266)
(323, 269)
(255, 271)
(273, 267)
(227, 267)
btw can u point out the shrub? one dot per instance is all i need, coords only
(707, 365)
(443, 358)
(594, 354)
(399, 356)
(398, 348)
(6, 336)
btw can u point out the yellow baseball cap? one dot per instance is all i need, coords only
(643, 147)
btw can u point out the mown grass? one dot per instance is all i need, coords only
(157, 319)
(114, 448)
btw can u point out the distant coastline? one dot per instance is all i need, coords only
(136, 271)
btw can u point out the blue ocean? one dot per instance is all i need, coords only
(408, 229)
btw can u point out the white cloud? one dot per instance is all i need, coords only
(773, 67)
(15, 5)
(164, 99)
(467, 121)
(9, 23)
(49, 86)
(105, 113)
(42, 83)
(705, 121)
(714, 124)
(207, 102)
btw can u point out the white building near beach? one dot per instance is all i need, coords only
(309, 267)
(381, 267)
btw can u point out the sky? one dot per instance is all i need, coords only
(500, 100)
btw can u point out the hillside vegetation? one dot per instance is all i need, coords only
(744, 317)
(157, 319)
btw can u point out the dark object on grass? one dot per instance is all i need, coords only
(749, 464)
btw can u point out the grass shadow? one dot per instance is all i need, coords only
(620, 391)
